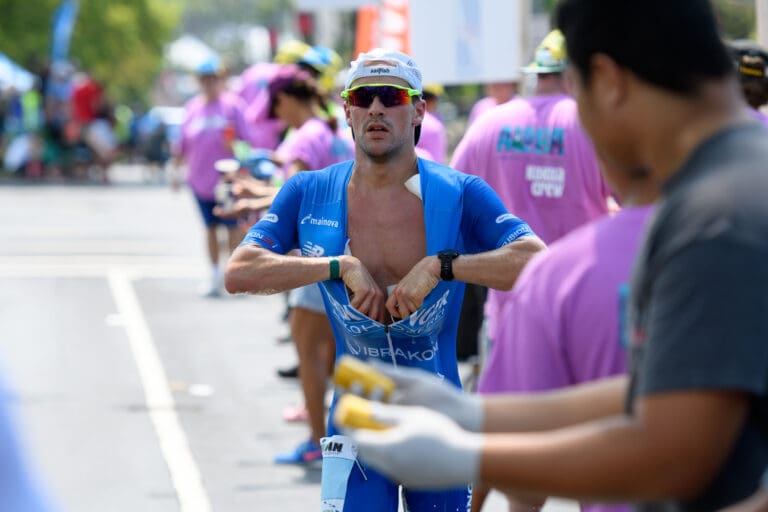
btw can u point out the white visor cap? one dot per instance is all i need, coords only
(380, 62)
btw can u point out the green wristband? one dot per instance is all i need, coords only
(335, 268)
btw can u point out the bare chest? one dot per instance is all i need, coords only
(388, 237)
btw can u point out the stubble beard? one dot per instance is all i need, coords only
(381, 156)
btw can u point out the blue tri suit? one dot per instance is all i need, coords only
(460, 212)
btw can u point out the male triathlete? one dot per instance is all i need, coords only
(392, 239)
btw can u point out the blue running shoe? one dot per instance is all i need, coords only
(306, 453)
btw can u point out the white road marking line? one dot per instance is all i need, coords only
(100, 267)
(161, 406)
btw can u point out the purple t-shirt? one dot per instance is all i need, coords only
(482, 105)
(758, 115)
(254, 81)
(202, 141)
(534, 153)
(316, 145)
(253, 88)
(561, 325)
(433, 137)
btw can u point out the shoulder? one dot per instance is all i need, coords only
(441, 172)
(566, 111)
(488, 125)
(326, 185)
(315, 127)
(714, 197)
(507, 112)
(432, 122)
(334, 176)
(193, 103)
(565, 264)
(230, 100)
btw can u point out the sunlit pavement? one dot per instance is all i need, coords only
(134, 393)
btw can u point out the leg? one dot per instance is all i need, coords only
(214, 287)
(312, 333)
(235, 235)
(212, 242)
(313, 336)
(470, 321)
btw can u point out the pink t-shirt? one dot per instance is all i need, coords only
(254, 81)
(202, 141)
(756, 114)
(433, 138)
(482, 105)
(534, 153)
(316, 145)
(253, 88)
(561, 325)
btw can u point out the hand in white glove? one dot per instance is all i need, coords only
(422, 450)
(419, 387)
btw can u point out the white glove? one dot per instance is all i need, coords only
(419, 387)
(422, 450)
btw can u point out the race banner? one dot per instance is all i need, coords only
(63, 25)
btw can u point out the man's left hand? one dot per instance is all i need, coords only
(408, 295)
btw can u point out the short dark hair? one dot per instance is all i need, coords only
(672, 44)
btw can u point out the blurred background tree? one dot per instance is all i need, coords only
(737, 18)
(119, 42)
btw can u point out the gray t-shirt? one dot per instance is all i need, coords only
(699, 303)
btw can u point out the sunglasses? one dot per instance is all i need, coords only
(390, 95)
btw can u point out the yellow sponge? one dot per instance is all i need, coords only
(352, 372)
(355, 412)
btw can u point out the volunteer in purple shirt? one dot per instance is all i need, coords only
(433, 139)
(213, 120)
(534, 153)
(496, 93)
(561, 324)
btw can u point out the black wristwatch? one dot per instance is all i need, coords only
(446, 263)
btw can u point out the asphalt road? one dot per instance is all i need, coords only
(133, 393)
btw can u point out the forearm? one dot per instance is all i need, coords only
(635, 458)
(601, 461)
(252, 269)
(555, 409)
(499, 268)
(479, 494)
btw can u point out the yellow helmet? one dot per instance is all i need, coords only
(330, 64)
(434, 89)
(291, 52)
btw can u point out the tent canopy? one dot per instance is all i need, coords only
(187, 53)
(13, 75)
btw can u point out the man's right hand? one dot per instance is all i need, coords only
(418, 387)
(367, 297)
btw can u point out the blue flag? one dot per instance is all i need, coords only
(63, 24)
